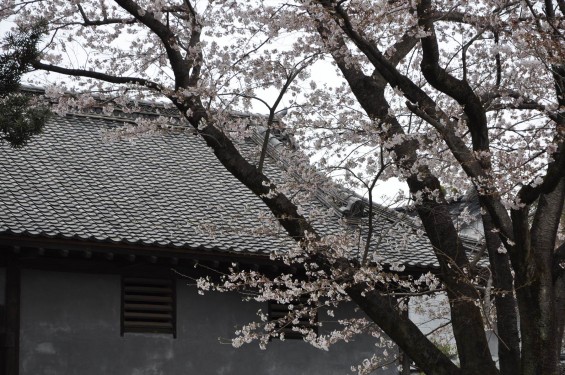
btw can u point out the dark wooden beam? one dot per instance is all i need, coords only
(121, 249)
(12, 310)
(2, 337)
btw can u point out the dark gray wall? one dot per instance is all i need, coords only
(2, 286)
(70, 325)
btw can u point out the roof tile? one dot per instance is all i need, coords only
(165, 189)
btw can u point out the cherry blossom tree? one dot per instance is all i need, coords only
(444, 95)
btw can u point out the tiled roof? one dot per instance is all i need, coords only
(164, 189)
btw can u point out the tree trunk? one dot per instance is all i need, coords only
(535, 285)
(506, 309)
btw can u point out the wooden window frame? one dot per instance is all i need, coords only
(148, 305)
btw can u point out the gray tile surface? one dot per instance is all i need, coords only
(162, 189)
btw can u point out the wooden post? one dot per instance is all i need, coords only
(2, 336)
(11, 343)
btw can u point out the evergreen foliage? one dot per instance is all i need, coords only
(19, 118)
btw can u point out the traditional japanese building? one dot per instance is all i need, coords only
(101, 240)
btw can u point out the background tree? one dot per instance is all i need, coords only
(20, 116)
(449, 95)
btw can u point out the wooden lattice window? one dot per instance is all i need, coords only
(148, 305)
(280, 314)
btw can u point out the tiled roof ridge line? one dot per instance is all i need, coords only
(118, 113)
(91, 112)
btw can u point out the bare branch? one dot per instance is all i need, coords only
(104, 21)
(98, 75)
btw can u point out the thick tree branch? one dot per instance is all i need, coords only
(195, 56)
(104, 21)
(370, 225)
(555, 172)
(381, 308)
(537, 299)
(505, 302)
(97, 75)
(561, 5)
(458, 89)
(180, 67)
(559, 260)
(546, 224)
(437, 221)
(416, 95)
